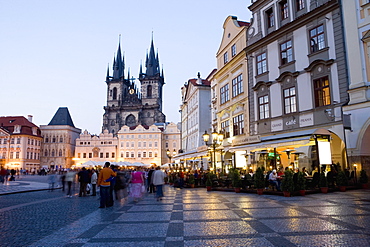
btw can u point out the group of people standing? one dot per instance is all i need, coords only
(112, 182)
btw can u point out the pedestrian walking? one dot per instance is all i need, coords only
(94, 180)
(104, 183)
(137, 184)
(52, 180)
(83, 178)
(70, 177)
(158, 181)
(63, 180)
(3, 174)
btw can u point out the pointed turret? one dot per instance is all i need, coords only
(118, 65)
(107, 77)
(152, 62)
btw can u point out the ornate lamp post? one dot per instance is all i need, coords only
(217, 139)
(169, 155)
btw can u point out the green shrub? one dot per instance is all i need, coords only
(288, 184)
(363, 177)
(259, 179)
(323, 180)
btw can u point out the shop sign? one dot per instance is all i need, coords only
(306, 120)
(247, 140)
(277, 125)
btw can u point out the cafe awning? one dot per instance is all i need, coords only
(292, 139)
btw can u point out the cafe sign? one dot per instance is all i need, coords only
(246, 140)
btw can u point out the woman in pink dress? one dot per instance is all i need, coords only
(137, 182)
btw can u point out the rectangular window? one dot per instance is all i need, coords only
(322, 92)
(224, 94)
(132, 155)
(290, 101)
(101, 155)
(107, 155)
(150, 144)
(18, 140)
(1, 140)
(90, 155)
(84, 155)
(17, 155)
(263, 104)
(121, 154)
(225, 128)
(12, 141)
(11, 155)
(113, 155)
(237, 85)
(144, 144)
(226, 58)
(155, 144)
(300, 4)
(286, 52)
(261, 63)
(127, 155)
(5, 141)
(270, 18)
(132, 144)
(139, 144)
(238, 125)
(284, 9)
(139, 154)
(317, 38)
(127, 144)
(144, 154)
(155, 155)
(150, 154)
(233, 50)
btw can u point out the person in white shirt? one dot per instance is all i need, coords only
(273, 179)
(158, 181)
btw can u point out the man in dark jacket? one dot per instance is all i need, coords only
(84, 179)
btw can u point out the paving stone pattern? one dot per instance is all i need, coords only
(189, 217)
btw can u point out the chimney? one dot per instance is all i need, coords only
(30, 118)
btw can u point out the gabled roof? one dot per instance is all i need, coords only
(62, 117)
(9, 123)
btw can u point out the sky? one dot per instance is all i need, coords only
(55, 53)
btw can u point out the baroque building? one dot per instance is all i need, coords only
(129, 104)
(356, 16)
(20, 143)
(59, 140)
(297, 83)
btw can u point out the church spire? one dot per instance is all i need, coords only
(152, 65)
(118, 65)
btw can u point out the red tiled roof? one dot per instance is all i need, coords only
(8, 123)
(243, 23)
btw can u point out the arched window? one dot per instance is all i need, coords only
(130, 120)
(46, 153)
(149, 91)
(53, 153)
(115, 93)
(60, 153)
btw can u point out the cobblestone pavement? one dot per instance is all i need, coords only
(187, 217)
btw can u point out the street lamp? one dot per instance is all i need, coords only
(169, 154)
(217, 139)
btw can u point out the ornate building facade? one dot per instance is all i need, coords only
(59, 140)
(129, 104)
(20, 143)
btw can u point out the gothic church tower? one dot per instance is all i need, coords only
(126, 104)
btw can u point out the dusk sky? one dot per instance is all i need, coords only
(55, 53)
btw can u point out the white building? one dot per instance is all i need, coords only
(356, 16)
(195, 118)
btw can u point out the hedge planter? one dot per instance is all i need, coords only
(302, 192)
(286, 193)
(237, 190)
(259, 191)
(364, 186)
(324, 190)
(342, 188)
(209, 188)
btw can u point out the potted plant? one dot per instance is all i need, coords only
(259, 181)
(236, 180)
(301, 183)
(170, 180)
(191, 181)
(342, 181)
(363, 179)
(323, 183)
(209, 182)
(287, 184)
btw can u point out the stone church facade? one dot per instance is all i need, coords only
(129, 104)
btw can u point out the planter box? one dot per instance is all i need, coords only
(302, 192)
(342, 188)
(324, 190)
(286, 193)
(259, 191)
